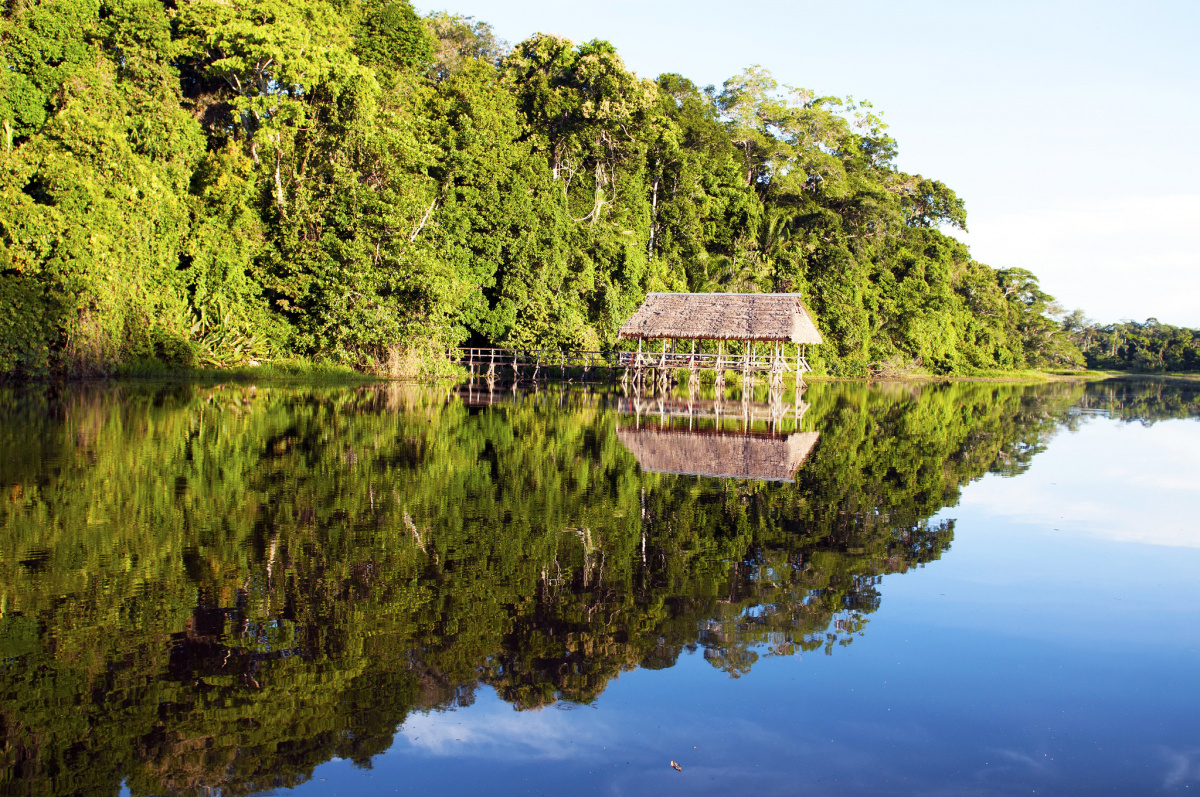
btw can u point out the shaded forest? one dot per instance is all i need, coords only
(225, 183)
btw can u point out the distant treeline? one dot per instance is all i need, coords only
(218, 183)
(1130, 346)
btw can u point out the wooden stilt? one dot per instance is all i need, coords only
(693, 371)
(720, 376)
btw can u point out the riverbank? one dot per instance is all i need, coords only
(310, 371)
(299, 370)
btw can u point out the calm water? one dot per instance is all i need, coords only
(966, 588)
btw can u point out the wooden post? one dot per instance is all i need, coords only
(662, 367)
(693, 373)
(796, 412)
(745, 408)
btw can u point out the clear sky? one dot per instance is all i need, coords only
(1071, 129)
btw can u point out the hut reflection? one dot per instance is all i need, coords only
(723, 455)
(714, 437)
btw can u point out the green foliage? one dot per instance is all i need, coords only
(392, 36)
(26, 329)
(459, 41)
(44, 45)
(218, 183)
(95, 214)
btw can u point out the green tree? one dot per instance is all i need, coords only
(224, 182)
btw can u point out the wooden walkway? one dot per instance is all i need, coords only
(534, 363)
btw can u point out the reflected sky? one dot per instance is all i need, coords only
(1054, 650)
(1112, 479)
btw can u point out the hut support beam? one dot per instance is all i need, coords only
(720, 379)
(693, 371)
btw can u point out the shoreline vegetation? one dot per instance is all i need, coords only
(343, 186)
(308, 372)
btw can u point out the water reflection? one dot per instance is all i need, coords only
(716, 454)
(218, 588)
(696, 436)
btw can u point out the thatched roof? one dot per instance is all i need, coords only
(723, 316)
(725, 456)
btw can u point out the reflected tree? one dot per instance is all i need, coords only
(217, 588)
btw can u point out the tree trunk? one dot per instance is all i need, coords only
(653, 217)
(599, 196)
(279, 182)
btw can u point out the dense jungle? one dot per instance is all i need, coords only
(219, 184)
(221, 587)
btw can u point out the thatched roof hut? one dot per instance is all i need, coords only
(725, 456)
(777, 317)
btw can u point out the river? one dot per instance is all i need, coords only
(905, 588)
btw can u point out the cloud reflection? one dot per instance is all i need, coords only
(1148, 495)
(497, 731)
(1182, 767)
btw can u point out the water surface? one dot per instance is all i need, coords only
(898, 589)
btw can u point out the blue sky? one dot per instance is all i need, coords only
(1070, 128)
